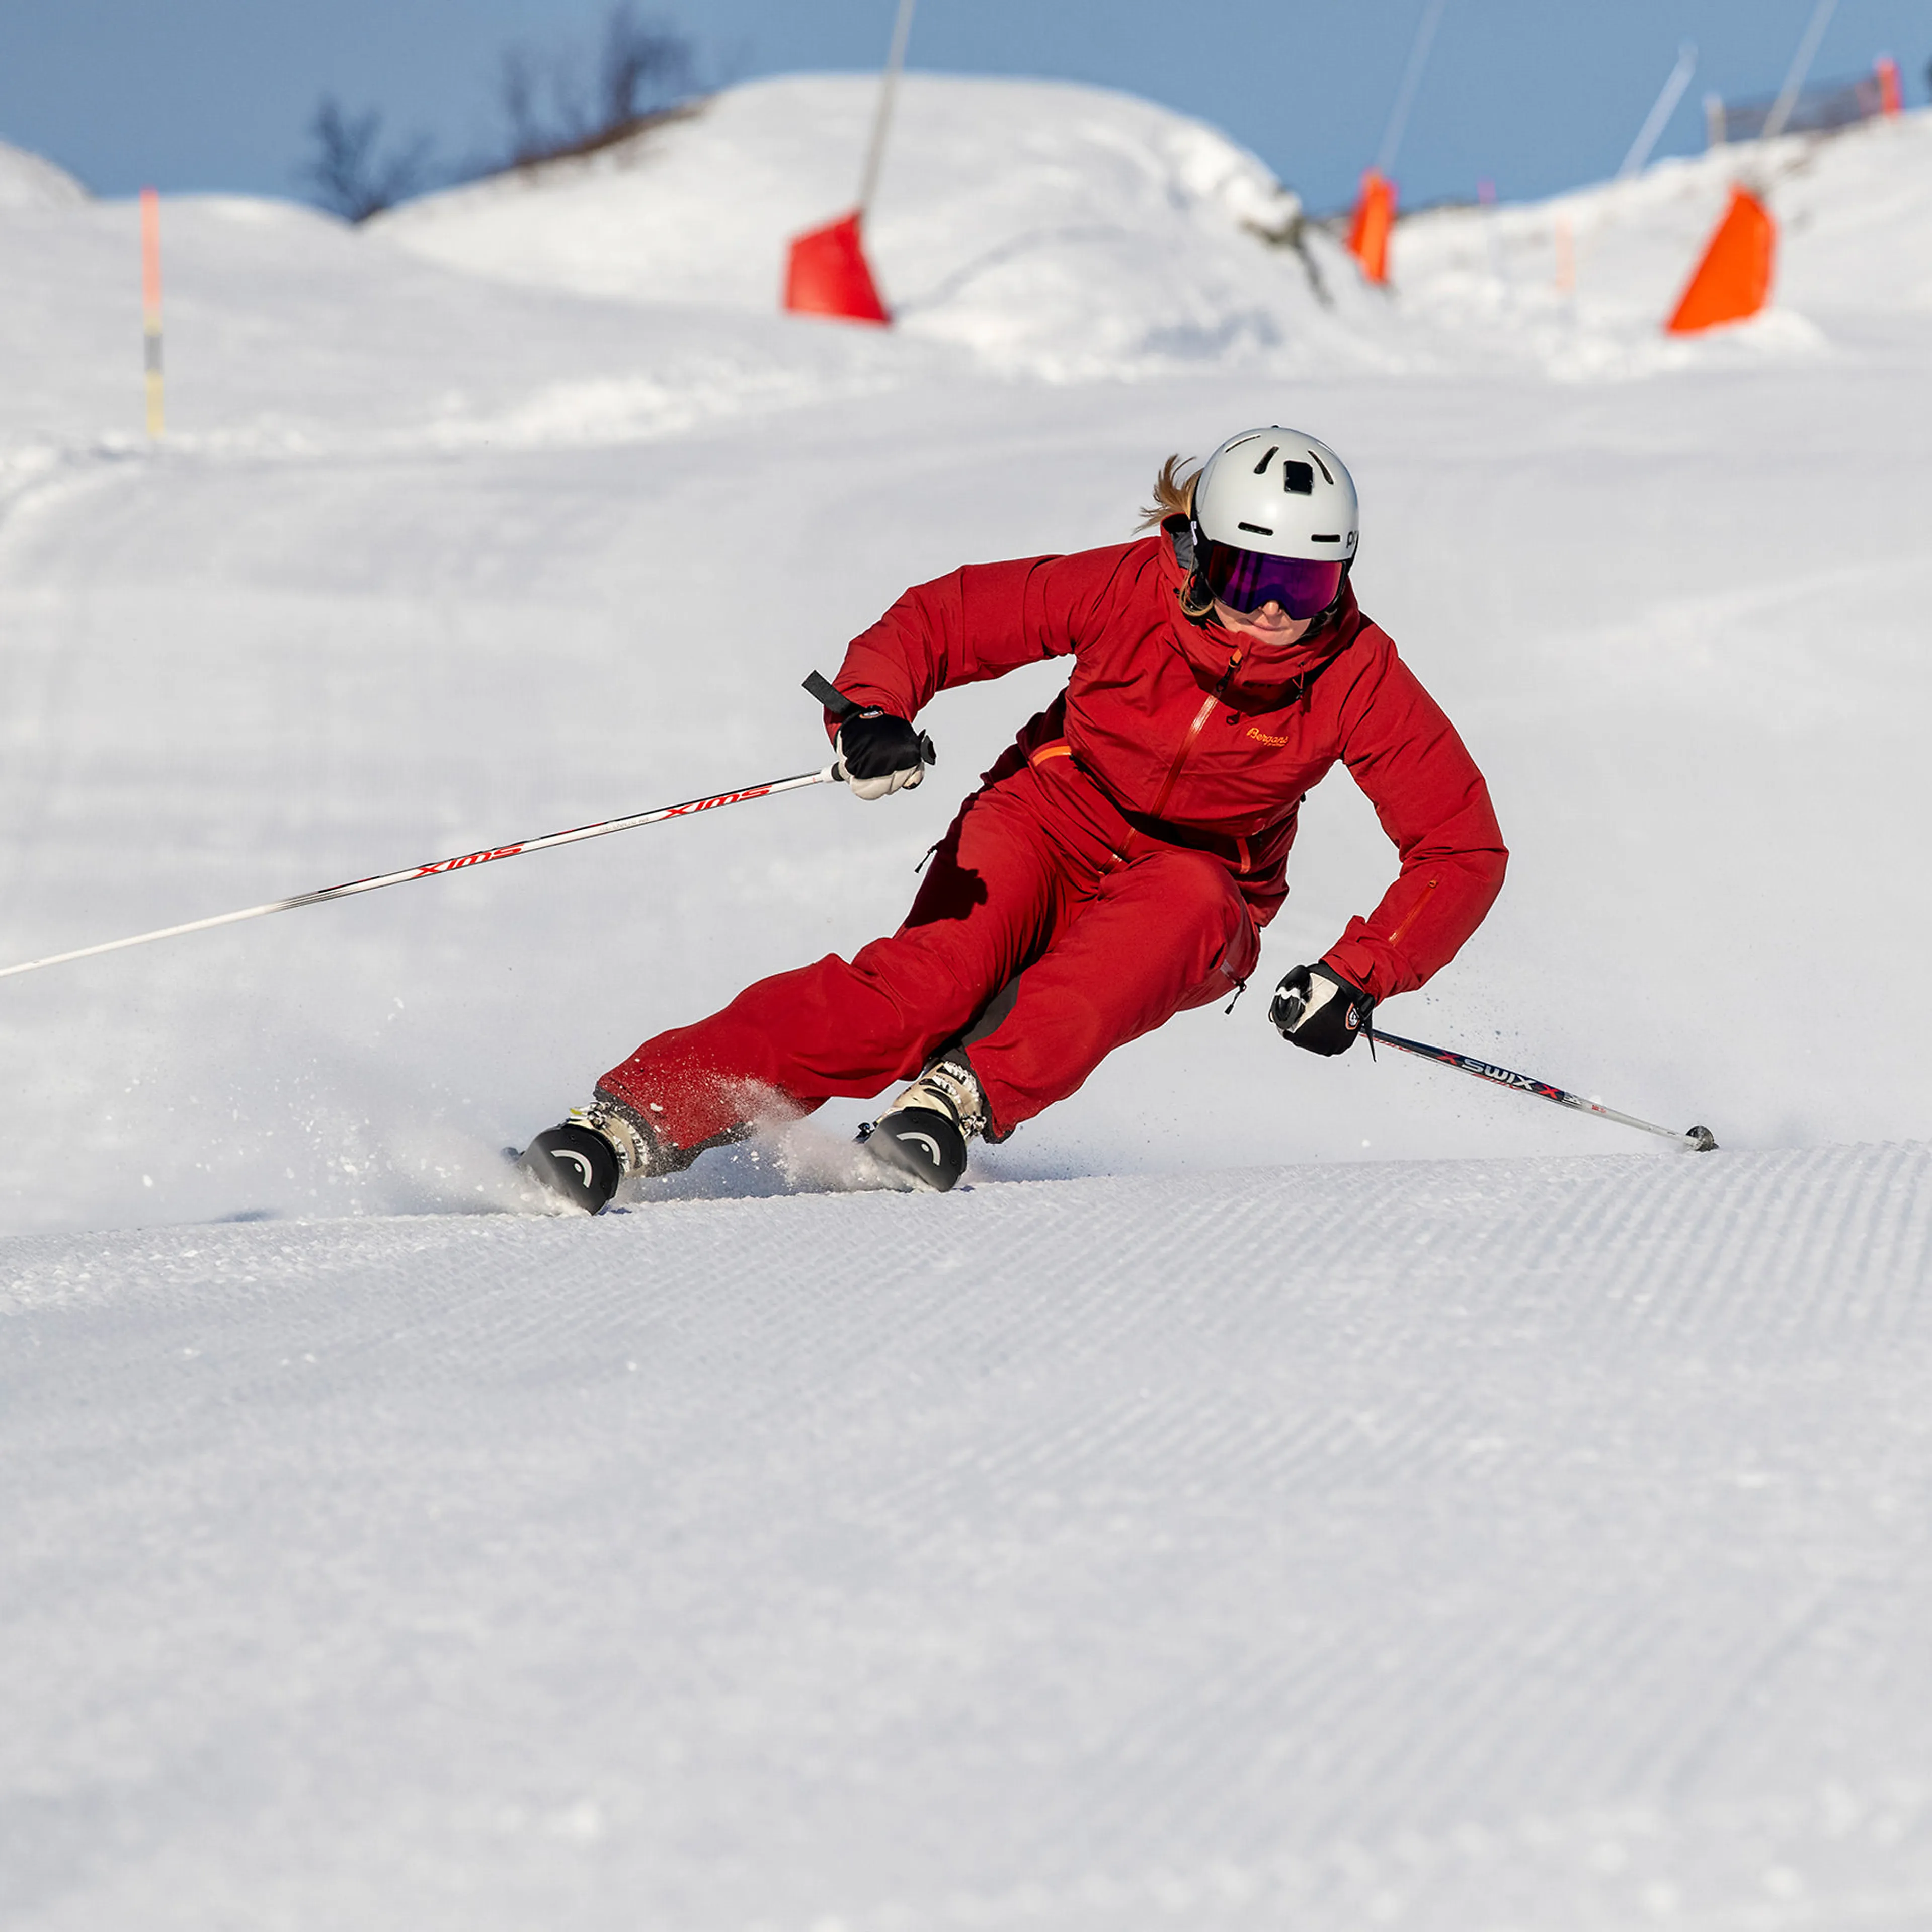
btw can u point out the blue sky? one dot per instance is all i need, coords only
(216, 93)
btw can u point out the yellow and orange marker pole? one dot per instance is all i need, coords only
(1566, 256)
(151, 305)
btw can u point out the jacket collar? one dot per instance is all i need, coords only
(1209, 647)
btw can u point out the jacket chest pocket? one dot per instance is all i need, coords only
(1265, 759)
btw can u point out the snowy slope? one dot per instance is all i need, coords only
(1701, 732)
(290, 335)
(1280, 1492)
(1472, 1544)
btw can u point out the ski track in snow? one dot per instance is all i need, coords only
(1440, 1545)
(1509, 1542)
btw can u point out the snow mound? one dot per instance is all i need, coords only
(1061, 230)
(27, 181)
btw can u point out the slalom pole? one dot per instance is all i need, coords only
(875, 150)
(150, 306)
(460, 863)
(1658, 118)
(1801, 65)
(1412, 80)
(1698, 1140)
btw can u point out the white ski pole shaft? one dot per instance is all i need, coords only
(1700, 1140)
(461, 863)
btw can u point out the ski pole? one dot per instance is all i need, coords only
(1699, 1140)
(459, 864)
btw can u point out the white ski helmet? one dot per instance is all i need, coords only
(1281, 493)
(1275, 522)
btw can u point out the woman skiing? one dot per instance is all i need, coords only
(1117, 864)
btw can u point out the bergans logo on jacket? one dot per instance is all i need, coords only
(1168, 723)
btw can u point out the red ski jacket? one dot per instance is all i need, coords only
(1182, 731)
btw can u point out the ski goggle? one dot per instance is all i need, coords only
(1245, 580)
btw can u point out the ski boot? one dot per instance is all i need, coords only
(582, 1161)
(921, 1137)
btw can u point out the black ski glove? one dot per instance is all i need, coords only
(1319, 1009)
(878, 753)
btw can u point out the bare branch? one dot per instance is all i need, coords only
(645, 66)
(566, 104)
(347, 172)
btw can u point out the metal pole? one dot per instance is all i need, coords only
(1699, 1140)
(894, 60)
(1801, 65)
(1666, 105)
(461, 863)
(1412, 79)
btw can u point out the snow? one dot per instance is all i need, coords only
(27, 181)
(1062, 231)
(1277, 1491)
(1852, 212)
(1516, 1543)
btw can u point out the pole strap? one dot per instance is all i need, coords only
(829, 694)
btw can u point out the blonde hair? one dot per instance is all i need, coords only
(1173, 492)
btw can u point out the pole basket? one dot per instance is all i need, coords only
(1374, 217)
(1733, 281)
(826, 274)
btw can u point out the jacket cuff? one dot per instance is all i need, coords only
(1349, 960)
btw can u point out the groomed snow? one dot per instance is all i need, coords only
(1465, 1543)
(1278, 1492)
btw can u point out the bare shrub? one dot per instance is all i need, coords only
(347, 171)
(564, 104)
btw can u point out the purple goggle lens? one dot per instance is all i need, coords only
(1245, 580)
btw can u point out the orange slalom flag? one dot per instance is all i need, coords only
(1891, 89)
(826, 274)
(1375, 216)
(1733, 281)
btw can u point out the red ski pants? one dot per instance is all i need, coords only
(1031, 939)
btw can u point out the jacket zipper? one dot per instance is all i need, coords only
(1193, 732)
(1413, 912)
